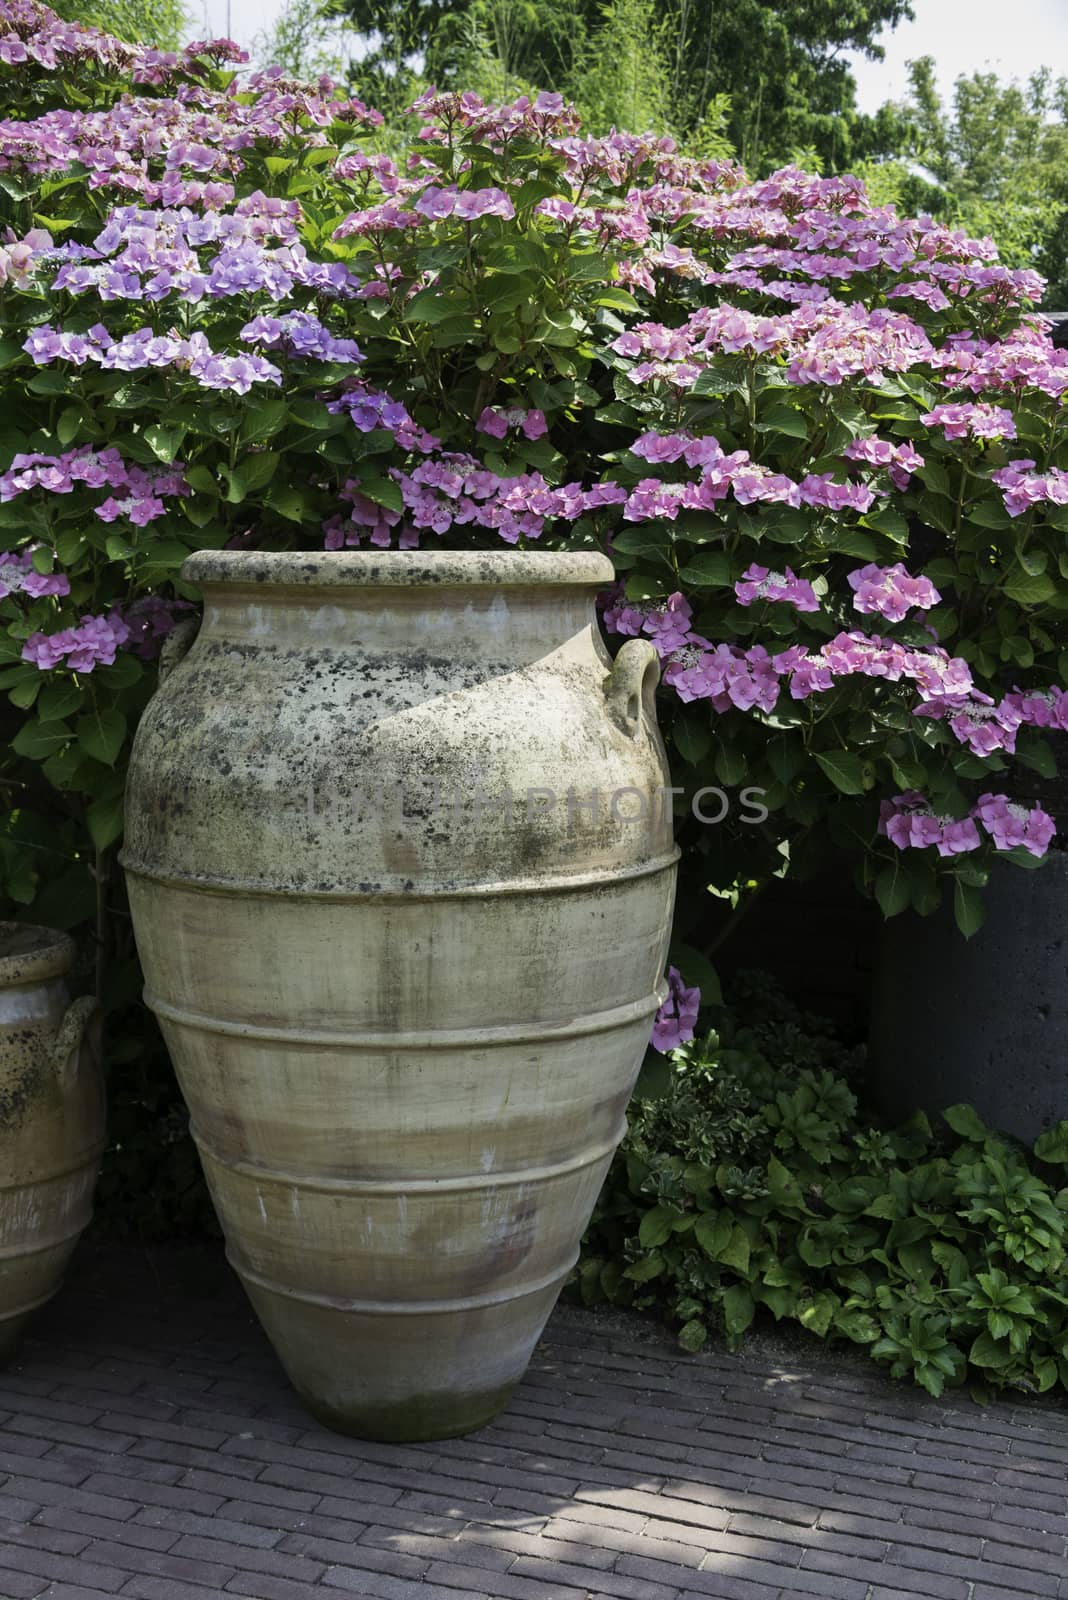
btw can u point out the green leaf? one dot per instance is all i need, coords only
(202, 481)
(258, 468)
(643, 1271)
(1036, 754)
(59, 699)
(263, 418)
(1052, 1145)
(430, 305)
(643, 542)
(846, 770)
(988, 1352)
(1030, 591)
(37, 740)
(738, 1310)
(989, 514)
(711, 569)
(692, 736)
(287, 502)
(713, 1231)
(25, 692)
(657, 1226)
(731, 769)
(888, 522)
(71, 545)
(101, 734)
(968, 907)
(617, 298)
(164, 440)
(736, 1253)
(383, 491)
(693, 1335)
(818, 1315)
(104, 818)
(784, 419)
(893, 890)
(785, 756)
(68, 424)
(965, 1121)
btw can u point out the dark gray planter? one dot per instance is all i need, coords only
(983, 1020)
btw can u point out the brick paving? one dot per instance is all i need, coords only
(151, 1449)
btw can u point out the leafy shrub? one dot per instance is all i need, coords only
(751, 1180)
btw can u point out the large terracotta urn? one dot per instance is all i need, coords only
(51, 1120)
(401, 871)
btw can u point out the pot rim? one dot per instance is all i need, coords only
(30, 953)
(408, 569)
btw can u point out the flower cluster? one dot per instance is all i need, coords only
(666, 623)
(454, 490)
(909, 822)
(736, 474)
(19, 576)
(976, 720)
(93, 641)
(968, 418)
(1023, 487)
(299, 333)
(891, 592)
(758, 583)
(899, 460)
(496, 421)
(372, 408)
(139, 493)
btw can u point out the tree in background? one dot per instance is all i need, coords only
(783, 65)
(306, 40)
(164, 23)
(994, 162)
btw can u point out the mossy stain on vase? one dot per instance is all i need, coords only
(405, 945)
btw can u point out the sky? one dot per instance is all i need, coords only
(1010, 37)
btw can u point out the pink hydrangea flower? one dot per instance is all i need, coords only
(976, 721)
(758, 583)
(676, 1019)
(891, 592)
(909, 822)
(93, 641)
(1011, 825)
(979, 420)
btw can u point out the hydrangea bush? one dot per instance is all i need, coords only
(822, 443)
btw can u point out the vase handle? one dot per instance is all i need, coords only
(630, 686)
(81, 1025)
(177, 645)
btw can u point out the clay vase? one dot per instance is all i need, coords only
(401, 873)
(51, 1120)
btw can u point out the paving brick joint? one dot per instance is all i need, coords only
(151, 1449)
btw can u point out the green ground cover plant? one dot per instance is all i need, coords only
(752, 1182)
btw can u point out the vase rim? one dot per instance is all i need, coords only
(30, 953)
(407, 569)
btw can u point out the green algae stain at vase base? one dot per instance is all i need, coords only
(51, 1121)
(418, 1419)
(406, 1004)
